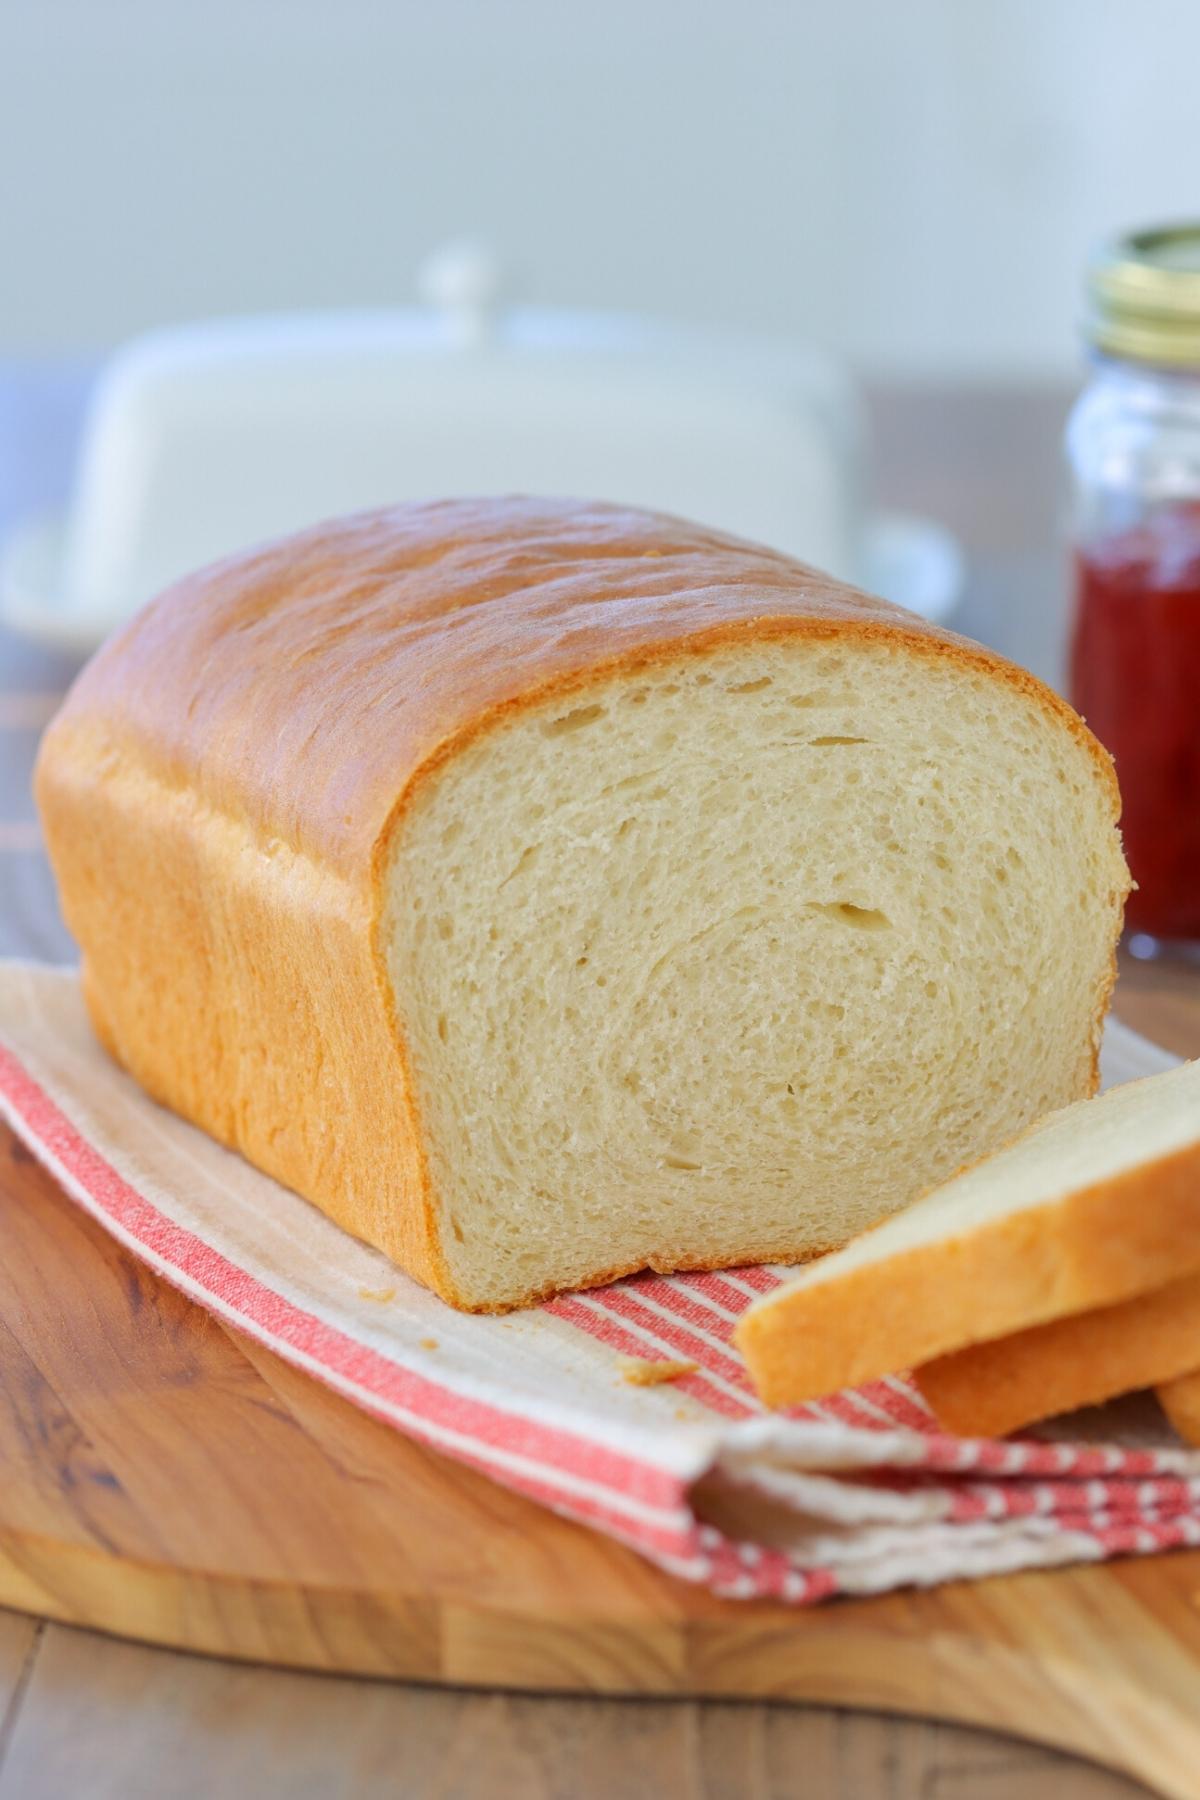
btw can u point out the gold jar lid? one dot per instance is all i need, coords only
(1144, 296)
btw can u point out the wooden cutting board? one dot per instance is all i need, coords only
(164, 1478)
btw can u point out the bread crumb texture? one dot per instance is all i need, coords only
(730, 958)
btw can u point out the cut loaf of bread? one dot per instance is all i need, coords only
(549, 890)
(991, 1389)
(1093, 1205)
(1180, 1400)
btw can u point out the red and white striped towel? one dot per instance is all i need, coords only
(854, 1495)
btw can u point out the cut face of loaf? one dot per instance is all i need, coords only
(549, 890)
(729, 958)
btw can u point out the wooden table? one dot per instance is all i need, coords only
(85, 1715)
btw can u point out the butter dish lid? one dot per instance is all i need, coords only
(202, 440)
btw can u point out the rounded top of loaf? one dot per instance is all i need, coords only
(302, 686)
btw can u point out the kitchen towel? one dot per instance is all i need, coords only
(855, 1495)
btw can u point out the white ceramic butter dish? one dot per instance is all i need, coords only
(204, 439)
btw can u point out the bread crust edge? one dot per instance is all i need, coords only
(994, 1388)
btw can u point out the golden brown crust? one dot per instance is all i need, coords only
(1095, 1247)
(312, 679)
(1180, 1400)
(991, 1389)
(275, 716)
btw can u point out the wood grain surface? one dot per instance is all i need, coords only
(102, 1369)
(119, 1722)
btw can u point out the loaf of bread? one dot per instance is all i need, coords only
(991, 1389)
(1094, 1205)
(550, 890)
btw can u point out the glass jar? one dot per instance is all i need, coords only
(1133, 444)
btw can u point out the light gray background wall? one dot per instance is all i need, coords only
(913, 182)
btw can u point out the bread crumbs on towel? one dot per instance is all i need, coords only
(380, 1294)
(651, 1374)
(429, 1343)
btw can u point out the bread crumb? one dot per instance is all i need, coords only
(429, 1343)
(651, 1374)
(380, 1294)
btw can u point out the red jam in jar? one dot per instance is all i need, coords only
(1135, 677)
(1133, 449)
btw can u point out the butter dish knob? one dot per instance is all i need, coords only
(462, 280)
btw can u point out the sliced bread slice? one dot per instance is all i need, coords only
(991, 1389)
(1180, 1400)
(1094, 1204)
